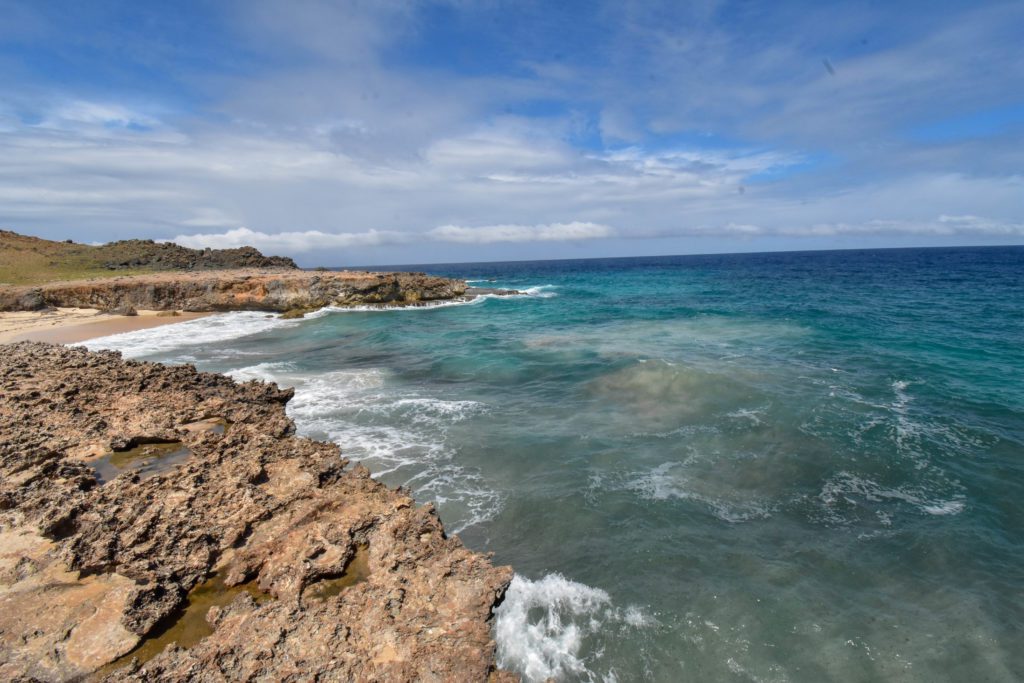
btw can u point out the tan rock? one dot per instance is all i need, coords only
(283, 290)
(317, 570)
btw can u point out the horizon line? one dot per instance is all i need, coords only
(649, 256)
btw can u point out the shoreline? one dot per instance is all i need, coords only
(71, 325)
(68, 325)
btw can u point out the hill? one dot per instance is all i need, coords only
(26, 260)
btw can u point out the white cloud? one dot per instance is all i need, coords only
(947, 226)
(939, 226)
(508, 147)
(289, 242)
(552, 232)
(98, 113)
(316, 240)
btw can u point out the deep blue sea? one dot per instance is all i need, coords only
(763, 467)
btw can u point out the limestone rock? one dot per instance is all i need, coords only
(90, 570)
(233, 290)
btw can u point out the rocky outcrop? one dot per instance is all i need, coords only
(28, 260)
(126, 254)
(319, 572)
(137, 254)
(228, 290)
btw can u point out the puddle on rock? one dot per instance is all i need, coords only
(356, 571)
(188, 625)
(147, 459)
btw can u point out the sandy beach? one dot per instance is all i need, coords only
(72, 325)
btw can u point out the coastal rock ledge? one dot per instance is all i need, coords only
(279, 290)
(300, 567)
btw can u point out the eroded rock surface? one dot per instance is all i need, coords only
(88, 571)
(231, 290)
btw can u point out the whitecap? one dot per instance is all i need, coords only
(752, 415)
(541, 627)
(190, 333)
(669, 481)
(945, 507)
(540, 291)
(850, 489)
(422, 306)
(265, 372)
(399, 436)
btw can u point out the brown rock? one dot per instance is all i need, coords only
(87, 571)
(231, 290)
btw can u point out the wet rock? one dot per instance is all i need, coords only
(294, 313)
(360, 582)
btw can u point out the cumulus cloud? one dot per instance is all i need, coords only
(313, 240)
(289, 242)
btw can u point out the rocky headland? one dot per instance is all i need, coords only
(159, 523)
(25, 259)
(280, 290)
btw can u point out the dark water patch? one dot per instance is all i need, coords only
(356, 571)
(146, 459)
(187, 626)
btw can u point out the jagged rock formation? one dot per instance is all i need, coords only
(90, 570)
(227, 290)
(169, 256)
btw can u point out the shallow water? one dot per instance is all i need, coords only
(356, 571)
(777, 467)
(187, 626)
(147, 460)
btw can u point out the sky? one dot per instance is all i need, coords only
(385, 132)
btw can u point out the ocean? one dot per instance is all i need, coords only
(758, 467)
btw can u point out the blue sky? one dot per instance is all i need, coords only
(389, 132)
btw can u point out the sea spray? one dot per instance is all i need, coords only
(541, 625)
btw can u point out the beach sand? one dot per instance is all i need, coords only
(73, 325)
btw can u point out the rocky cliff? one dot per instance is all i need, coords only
(244, 289)
(143, 505)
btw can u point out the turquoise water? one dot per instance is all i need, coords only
(777, 467)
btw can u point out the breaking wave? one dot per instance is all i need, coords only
(400, 437)
(191, 333)
(542, 627)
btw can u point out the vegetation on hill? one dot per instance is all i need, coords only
(26, 260)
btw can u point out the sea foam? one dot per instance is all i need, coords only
(165, 339)
(542, 626)
(399, 434)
